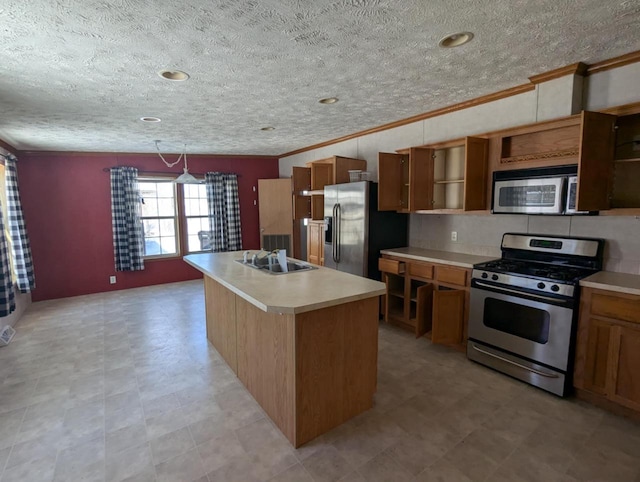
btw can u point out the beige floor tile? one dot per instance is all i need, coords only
(258, 434)
(73, 460)
(383, 468)
(40, 470)
(295, 473)
(272, 459)
(218, 451)
(171, 445)
(126, 437)
(166, 422)
(186, 467)
(238, 469)
(128, 463)
(414, 453)
(442, 471)
(158, 406)
(327, 465)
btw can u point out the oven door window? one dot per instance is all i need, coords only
(518, 320)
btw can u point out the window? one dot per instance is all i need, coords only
(175, 217)
(159, 217)
(197, 215)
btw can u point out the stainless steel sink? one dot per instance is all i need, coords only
(275, 268)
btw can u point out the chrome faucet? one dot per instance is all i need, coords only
(255, 256)
(245, 257)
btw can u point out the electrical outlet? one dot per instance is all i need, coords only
(112, 280)
(454, 235)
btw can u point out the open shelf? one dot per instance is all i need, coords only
(634, 159)
(448, 178)
(539, 156)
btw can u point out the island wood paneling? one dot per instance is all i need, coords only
(266, 362)
(336, 365)
(221, 320)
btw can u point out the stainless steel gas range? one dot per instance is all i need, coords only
(524, 307)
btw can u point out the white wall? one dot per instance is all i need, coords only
(481, 234)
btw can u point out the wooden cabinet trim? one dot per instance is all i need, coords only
(451, 275)
(391, 266)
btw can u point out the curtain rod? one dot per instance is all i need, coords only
(108, 169)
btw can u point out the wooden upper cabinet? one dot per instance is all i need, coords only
(393, 174)
(301, 179)
(321, 175)
(595, 165)
(405, 180)
(476, 170)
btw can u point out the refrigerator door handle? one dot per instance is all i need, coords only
(338, 234)
(334, 233)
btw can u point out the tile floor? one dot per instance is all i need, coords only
(123, 386)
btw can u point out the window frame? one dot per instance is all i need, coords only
(180, 217)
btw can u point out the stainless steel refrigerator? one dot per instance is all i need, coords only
(355, 231)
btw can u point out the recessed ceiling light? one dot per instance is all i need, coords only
(150, 119)
(329, 100)
(456, 39)
(268, 128)
(175, 75)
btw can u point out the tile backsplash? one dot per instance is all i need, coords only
(481, 234)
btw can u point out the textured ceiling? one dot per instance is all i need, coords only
(77, 74)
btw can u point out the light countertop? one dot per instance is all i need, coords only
(296, 292)
(461, 260)
(608, 280)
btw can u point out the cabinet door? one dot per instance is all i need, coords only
(424, 309)
(448, 316)
(313, 247)
(301, 179)
(390, 181)
(275, 206)
(321, 175)
(595, 168)
(475, 174)
(301, 206)
(596, 356)
(624, 377)
(420, 178)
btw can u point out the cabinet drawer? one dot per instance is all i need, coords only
(390, 266)
(618, 307)
(454, 276)
(421, 270)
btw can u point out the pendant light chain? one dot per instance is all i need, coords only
(168, 164)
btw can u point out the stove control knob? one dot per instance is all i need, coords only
(541, 286)
(494, 277)
(485, 275)
(555, 288)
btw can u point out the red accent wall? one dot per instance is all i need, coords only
(66, 199)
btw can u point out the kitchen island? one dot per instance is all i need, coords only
(305, 344)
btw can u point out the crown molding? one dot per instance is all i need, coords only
(519, 89)
(578, 68)
(614, 63)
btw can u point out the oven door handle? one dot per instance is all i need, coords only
(519, 365)
(516, 292)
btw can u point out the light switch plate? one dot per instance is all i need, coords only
(112, 280)
(454, 235)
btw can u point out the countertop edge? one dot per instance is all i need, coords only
(289, 310)
(610, 287)
(433, 259)
(627, 283)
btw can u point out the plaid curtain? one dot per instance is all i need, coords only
(7, 296)
(128, 236)
(20, 246)
(224, 211)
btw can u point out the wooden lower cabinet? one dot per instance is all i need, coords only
(427, 298)
(608, 347)
(310, 371)
(315, 242)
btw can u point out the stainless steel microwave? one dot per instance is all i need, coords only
(535, 191)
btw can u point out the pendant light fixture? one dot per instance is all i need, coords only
(185, 177)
